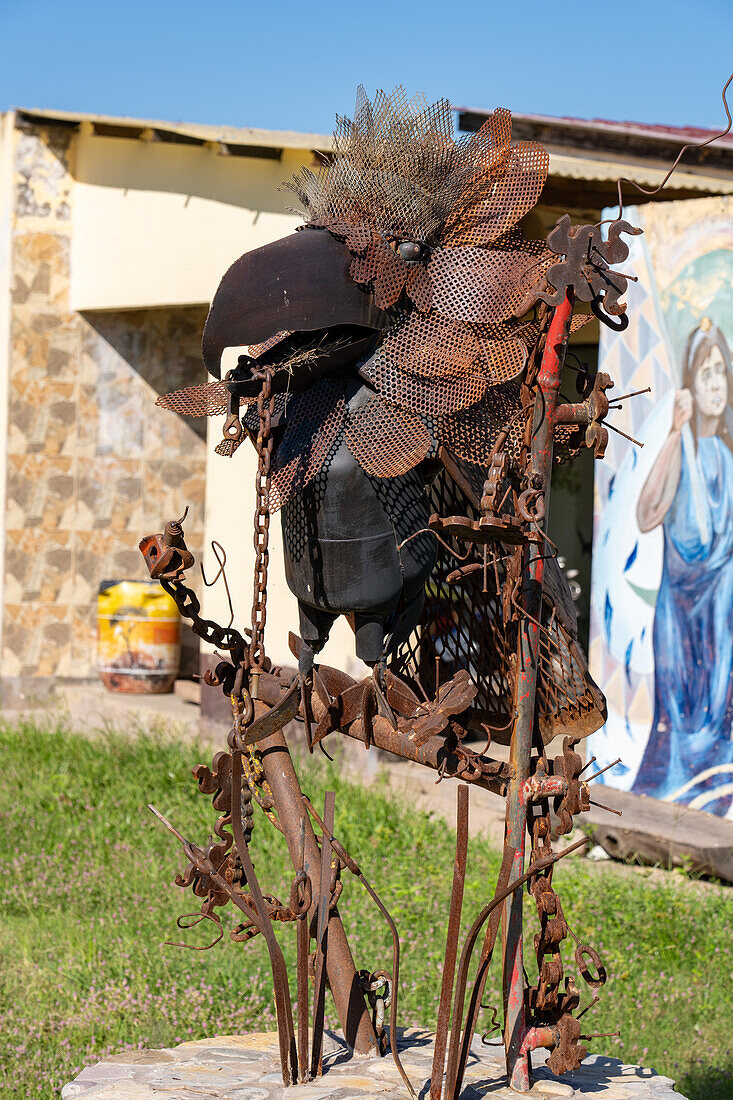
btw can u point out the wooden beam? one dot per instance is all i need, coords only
(665, 833)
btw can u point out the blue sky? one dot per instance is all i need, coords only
(288, 65)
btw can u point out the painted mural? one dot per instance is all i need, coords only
(662, 583)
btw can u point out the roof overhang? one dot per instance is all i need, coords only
(225, 140)
(589, 156)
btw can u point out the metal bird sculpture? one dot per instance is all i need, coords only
(401, 389)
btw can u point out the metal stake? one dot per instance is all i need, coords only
(324, 903)
(517, 1063)
(451, 946)
(351, 1007)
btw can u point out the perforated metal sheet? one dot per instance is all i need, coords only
(432, 347)
(463, 626)
(256, 350)
(514, 188)
(385, 440)
(471, 433)
(315, 419)
(398, 175)
(435, 397)
(381, 269)
(209, 399)
(481, 286)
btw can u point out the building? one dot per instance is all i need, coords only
(113, 235)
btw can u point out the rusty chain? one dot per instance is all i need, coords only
(189, 608)
(265, 409)
(548, 1001)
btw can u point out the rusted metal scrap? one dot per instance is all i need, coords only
(389, 349)
(586, 267)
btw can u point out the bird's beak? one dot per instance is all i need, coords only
(299, 285)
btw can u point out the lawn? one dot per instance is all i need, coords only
(86, 901)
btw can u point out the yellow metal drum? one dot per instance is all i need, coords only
(139, 637)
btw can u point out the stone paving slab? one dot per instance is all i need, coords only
(246, 1067)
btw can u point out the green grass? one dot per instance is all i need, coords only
(86, 899)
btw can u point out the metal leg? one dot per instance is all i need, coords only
(302, 947)
(451, 946)
(518, 1067)
(324, 902)
(351, 1007)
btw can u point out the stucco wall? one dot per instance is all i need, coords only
(92, 465)
(158, 224)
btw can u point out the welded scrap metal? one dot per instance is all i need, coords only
(214, 781)
(343, 714)
(432, 717)
(285, 1031)
(324, 908)
(576, 798)
(451, 944)
(166, 554)
(551, 1002)
(301, 896)
(586, 267)
(168, 558)
(286, 1036)
(274, 718)
(457, 1060)
(442, 753)
(347, 861)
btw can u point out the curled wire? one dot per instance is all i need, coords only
(429, 531)
(194, 919)
(218, 549)
(683, 150)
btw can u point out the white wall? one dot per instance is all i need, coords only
(157, 224)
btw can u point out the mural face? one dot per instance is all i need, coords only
(662, 587)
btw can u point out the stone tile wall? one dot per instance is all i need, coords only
(92, 464)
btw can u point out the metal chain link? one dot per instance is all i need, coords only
(265, 408)
(189, 607)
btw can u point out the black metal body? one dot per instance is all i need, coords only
(345, 538)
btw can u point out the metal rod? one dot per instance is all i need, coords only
(618, 431)
(302, 945)
(351, 1007)
(285, 1030)
(324, 905)
(261, 919)
(586, 765)
(456, 1065)
(607, 768)
(527, 660)
(353, 866)
(608, 808)
(451, 945)
(636, 393)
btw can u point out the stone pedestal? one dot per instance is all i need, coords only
(246, 1067)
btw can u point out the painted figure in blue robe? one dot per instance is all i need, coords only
(689, 491)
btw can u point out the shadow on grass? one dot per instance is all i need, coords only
(706, 1082)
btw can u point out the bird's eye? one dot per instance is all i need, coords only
(411, 251)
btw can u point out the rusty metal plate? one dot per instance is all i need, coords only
(315, 419)
(471, 433)
(386, 441)
(429, 397)
(514, 190)
(481, 285)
